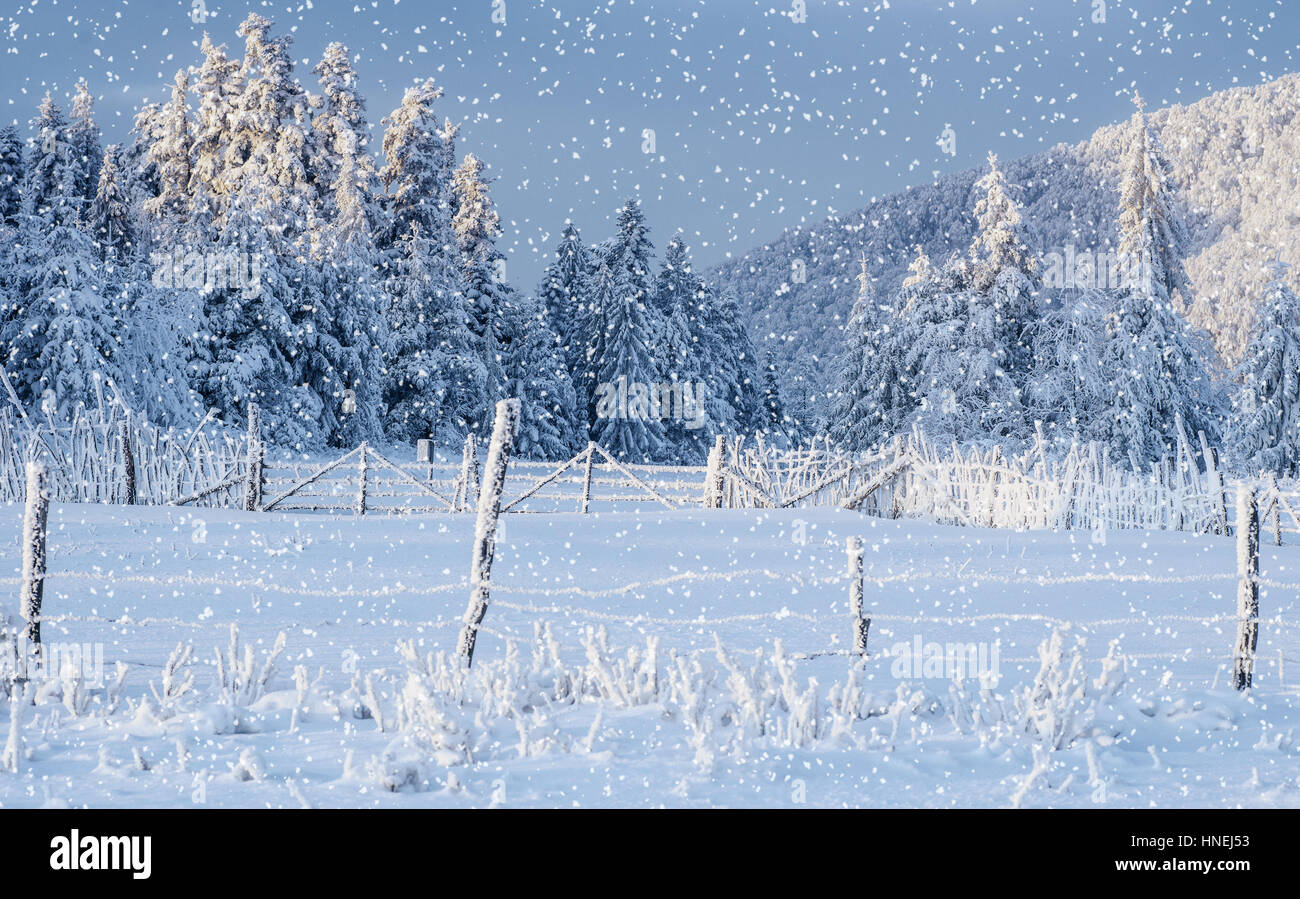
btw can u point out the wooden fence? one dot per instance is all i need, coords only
(117, 459)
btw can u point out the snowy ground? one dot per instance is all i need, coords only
(346, 720)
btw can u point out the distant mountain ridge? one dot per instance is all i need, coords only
(1236, 156)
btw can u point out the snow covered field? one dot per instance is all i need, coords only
(648, 711)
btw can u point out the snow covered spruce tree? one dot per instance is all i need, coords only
(437, 384)
(170, 156)
(123, 280)
(85, 153)
(11, 179)
(1152, 358)
(11, 176)
(1265, 428)
(619, 327)
(1006, 274)
(218, 85)
(66, 335)
(253, 324)
(778, 425)
(344, 355)
(623, 370)
(536, 374)
(488, 296)
(50, 190)
(965, 334)
(563, 289)
(883, 398)
(139, 174)
(60, 334)
(688, 433)
(868, 373)
(1069, 388)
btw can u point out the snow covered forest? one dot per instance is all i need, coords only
(1214, 217)
(401, 408)
(246, 247)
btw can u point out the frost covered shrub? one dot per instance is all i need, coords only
(440, 715)
(177, 679)
(241, 680)
(1062, 705)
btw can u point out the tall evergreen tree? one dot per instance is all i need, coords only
(108, 219)
(255, 331)
(437, 381)
(437, 386)
(855, 414)
(777, 424)
(85, 153)
(1158, 375)
(1006, 273)
(50, 183)
(564, 288)
(1265, 432)
(66, 335)
(349, 363)
(218, 86)
(536, 374)
(170, 156)
(624, 424)
(679, 358)
(487, 295)
(629, 252)
(11, 176)
(140, 175)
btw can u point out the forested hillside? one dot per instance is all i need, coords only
(1235, 157)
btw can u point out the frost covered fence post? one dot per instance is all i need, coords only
(256, 460)
(1221, 493)
(714, 483)
(485, 527)
(468, 474)
(861, 623)
(128, 462)
(361, 480)
(1243, 657)
(1275, 508)
(586, 476)
(1214, 481)
(35, 517)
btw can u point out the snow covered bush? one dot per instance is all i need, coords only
(241, 680)
(1063, 706)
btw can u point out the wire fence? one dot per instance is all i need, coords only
(831, 630)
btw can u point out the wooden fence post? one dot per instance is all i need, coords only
(35, 516)
(586, 476)
(361, 480)
(128, 463)
(1276, 492)
(1243, 658)
(485, 528)
(468, 484)
(256, 460)
(861, 623)
(1214, 482)
(714, 477)
(1221, 492)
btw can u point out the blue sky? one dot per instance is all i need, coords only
(761, 121)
